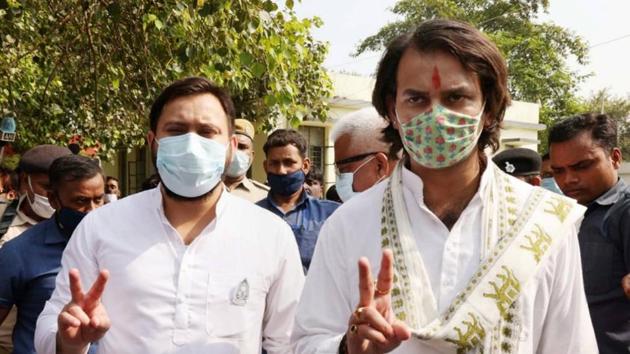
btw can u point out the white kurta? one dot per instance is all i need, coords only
(555, 314)
(166, 297)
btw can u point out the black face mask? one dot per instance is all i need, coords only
(286, 184)
(68, 220)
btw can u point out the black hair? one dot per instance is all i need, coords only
(475, 52)
(111, 178)
(603, 129)
(72, 168)
(284, 137)
(314, 174)
(188, 87)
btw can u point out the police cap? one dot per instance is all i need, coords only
(244, 127)
(518, 162)
(39, 158)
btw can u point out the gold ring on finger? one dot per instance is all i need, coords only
(357, 313)
(381, 292)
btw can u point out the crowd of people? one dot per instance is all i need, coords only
(429, 242)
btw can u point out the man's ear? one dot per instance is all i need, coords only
(53, 200)
(535, 181)
(616, 157)
(382, 165)
(233, 143)
(390, 103)
(306, 165)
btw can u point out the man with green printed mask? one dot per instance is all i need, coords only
(466, 258)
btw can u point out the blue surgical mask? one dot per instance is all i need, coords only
(69, 219)
(190, 165)
(550, 184)
(286, 184)
(239, 164)
(345, 181)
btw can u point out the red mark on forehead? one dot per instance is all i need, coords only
(435, 79)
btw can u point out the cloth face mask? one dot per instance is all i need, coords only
(239, 164)
(286, 184)
(190, 165)
(440, 138)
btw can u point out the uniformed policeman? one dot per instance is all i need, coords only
(521, 163)
(30, 208)
(235, 178)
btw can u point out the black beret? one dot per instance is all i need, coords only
(39, 158)
(518, 162)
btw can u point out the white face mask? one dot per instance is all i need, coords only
(239, 164)
(345, 181)
(110, 197)
(39, 204)
(190, 165)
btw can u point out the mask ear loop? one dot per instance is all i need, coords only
(30, 186)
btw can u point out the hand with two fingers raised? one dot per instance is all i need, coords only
(373, 328)
(84, 319)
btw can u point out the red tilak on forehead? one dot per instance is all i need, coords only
(435, 79)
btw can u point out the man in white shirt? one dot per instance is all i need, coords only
(174, 269)
(471, 259)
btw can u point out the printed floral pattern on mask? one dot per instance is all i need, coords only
(440, 137)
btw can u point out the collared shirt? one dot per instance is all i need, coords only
(555, 314)
(305, 219)
(20, 223)
(28, 267)
(605, 246)
(234, 285)
(250, 189)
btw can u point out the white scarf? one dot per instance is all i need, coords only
(518, 235)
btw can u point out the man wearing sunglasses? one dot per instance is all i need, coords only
(362, 157)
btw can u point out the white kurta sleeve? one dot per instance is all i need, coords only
(326, 303)
(567, 327)
(78, 254)
(283, 296)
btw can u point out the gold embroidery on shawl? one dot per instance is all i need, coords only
(537, 243)
(560, 208)
(470, 339)
(505, 294)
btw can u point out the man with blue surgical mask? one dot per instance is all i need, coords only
(236, 179)
(29, 264)
(174, 269)
(286, 165)
(362, 157)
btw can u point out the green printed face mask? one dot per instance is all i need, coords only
(440, 138)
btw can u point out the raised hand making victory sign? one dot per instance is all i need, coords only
(373, 327)
(84, 319)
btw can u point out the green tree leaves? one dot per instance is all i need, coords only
(535, 51)
(94, 68)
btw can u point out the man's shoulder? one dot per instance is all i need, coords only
(259, 185)
(252, 211)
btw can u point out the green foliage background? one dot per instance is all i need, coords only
(536, 51)
(93, 67)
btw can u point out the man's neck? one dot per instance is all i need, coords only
(233, 182)
(189, 218)
(448, 191)
(287, 202)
